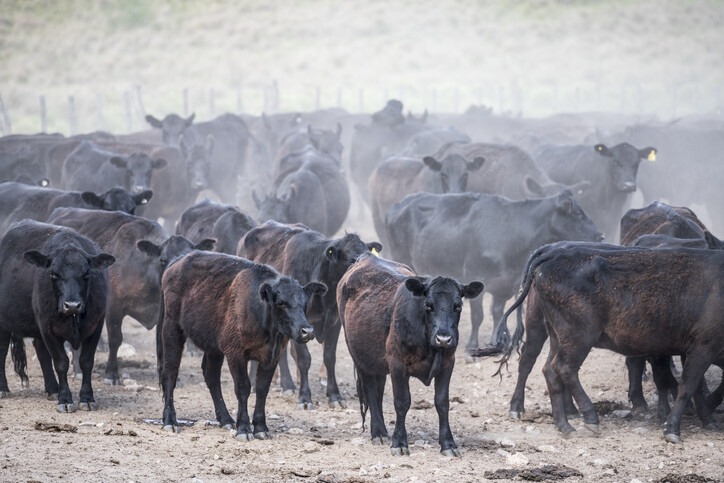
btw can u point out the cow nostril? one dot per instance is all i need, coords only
(443, 340)
(307, 332)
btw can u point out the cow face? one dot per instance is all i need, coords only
(343, 252)
(453, 171)
(568, 221)
(137, 169)
(624, 162)
(327, 142)
(198, 162)
(69, 272)
(171, 127)
(270, 208)
(116, 199)
(442, 302)
(287, 301)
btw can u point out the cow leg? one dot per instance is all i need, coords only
(242, 388)
(330, 359)
(61, 364)
(714, 399)
(636, 367)
(304, 361)
(46, 365)
(556, 390)
(4, 346)
(401, 394)
(285, 376)
(663, 379)
(534, 341)
(265, 374)
(173, 340)
(114, 321)
(211, 366)
(497, 309)
(567, 367)
(476, 318)
(691, 376)
(373, 388)
(702, 409)
(86, 359)
(442, 404)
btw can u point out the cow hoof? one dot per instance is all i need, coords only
(401, 451)
(66, 408)
(112, 381)
(306, 406)
(338, 404)
(262, 435)
(380, 440)
(4, 394)
(323, 381)
(594, 428)
(244, 436)
(566, 433)
(88, 406)
(451, 452)
(515, 415)
(672, 438)
(172, 428)
(289, 392)
(713, 426)
(227, 427)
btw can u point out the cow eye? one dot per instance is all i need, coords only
(54, 276)
(281, 304)
(429, 307)
(163, 261)
(458, 308)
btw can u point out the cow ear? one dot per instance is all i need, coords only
(149, 248)
(713, 242)
(339, 131)
(473, 289)
(432, 163)
(37, 258)
(119, 162)
(266, 293)
(331, 253)
(603, 150)
(534, 187)
(158, 163)
(648, 153)
(154, 122)
(143, 198)
(91, 199)
(207, 244)
(190, 119)
(101, 261)
(374, 247)
(415, 286)
(210, 143)
(314, 288)
(476, 163)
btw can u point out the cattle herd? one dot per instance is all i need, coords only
(98, 227)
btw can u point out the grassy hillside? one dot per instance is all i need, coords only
(534, 56)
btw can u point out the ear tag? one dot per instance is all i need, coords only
(329, 252)
(652, 156)
(144, 201)
(374, 252)
(600, 148)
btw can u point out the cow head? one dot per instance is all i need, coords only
(69, 271)
(287, 301)
(116, 199)
(441, 299)
(327, 142)
(198, 162)
(137, 168)
(172, 127)
(343, 252)
(453, 171)
(270, 207)
(624, 162)
(568, 221)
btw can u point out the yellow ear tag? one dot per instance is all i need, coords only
(374, 252)
(652, 156)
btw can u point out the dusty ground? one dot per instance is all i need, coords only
(114, 444)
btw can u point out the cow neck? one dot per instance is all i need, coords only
(434, 367)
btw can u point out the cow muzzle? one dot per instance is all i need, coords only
(71, 308)
(306, 334)
(628, 187)
(443, 341)
(138, 189)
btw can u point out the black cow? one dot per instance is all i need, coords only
(586, 294)
(325, 141)
(611, 172)
(143, 250)
(402, 325)
(306, 256)
(63, 299)
(224, 223)
(20, 161)
(428, 142)
(472, 235)
(660, 219)
(19, 201)
(230, 307)
(93, 168)
(399, 176)
(312, 191)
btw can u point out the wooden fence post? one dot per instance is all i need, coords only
(275, 96)
(5, 118)
(99, 109)
(43, 116)
(129, 119)
(139, 101)
(317, 98)
(71, 111)
(266, 98)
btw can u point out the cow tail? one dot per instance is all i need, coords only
(20, 360)
(362, 396)
(159, 340)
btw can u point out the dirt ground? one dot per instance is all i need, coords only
(328, 445)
